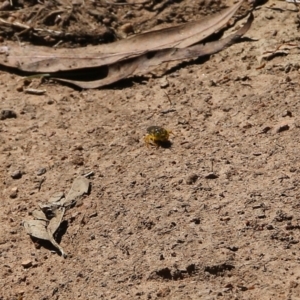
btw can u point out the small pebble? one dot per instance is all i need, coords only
(261, 216)
(192, 178)
(92, 215)
(266, 129)
(77, 160)
(257, 153)
(41, 171)
(257, 206)
(106, 21)
(78, 147)
(226, 219)
(16, 174)
(7, 114)
(282, 128)
(211, 175)
(164, 83)
(20, 87)
(27, 263)
(13, 193)
(127, 28)
(233, 248)
(287, 113)
(196, 220)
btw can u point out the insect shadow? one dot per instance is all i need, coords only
(165, 144)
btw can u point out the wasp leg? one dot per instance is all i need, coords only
(171, 132)
(147, 140)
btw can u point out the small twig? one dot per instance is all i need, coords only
(52, 13)
(168, 98)
(39, 183)
(26, 27)
(168, 111)
(149, 117)
(35, 91)
(16, 24)
(89, 174)
(282, 9)
(18, 39)
(57, 44)
(26, 30)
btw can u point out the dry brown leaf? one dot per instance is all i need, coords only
(56, 197)
(39, 215)
(50, 215)
(53, 226)
(80, 186)
(48, 60)
(56, 220)
(147, 62)
(37, 228)
(40, 229)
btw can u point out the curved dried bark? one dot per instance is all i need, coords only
(147, 62)
(49, 60)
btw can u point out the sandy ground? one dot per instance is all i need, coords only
(214, 216)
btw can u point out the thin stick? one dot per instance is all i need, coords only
(168, 98)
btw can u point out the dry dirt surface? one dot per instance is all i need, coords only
(213, 216)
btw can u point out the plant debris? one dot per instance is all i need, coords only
(49, 217)
(140, 54)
